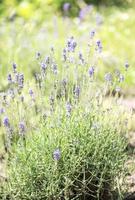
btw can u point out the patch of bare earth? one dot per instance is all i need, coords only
(129, 104)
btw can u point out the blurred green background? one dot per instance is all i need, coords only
(35, 25)
(27, 8)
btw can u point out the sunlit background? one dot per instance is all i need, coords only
(30, 26)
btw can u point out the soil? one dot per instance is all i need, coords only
(130, 180)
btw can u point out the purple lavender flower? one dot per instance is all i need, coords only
(54, 69)
(77, 91)
(16, 77)
(126, 65)
(117, 89)
(64, 82)
(43, 67)
(64, 57)
(81, 57)
(6, 122)
(2, 110)
(68, 109)
(9, 78)
(71, 44)
(98, 42)
(121, 78)
(91, 71)
(4, 98)
(64, 54)
(47, 60)
(64, 50)
(22, 127)
(85, 11)
(57, 155)
(108, 77)
(71, 59)
(92, 34)
(66, 7)
(81, 14)
(14, 67)
(117, 72)
(21, 80)
(38, 55)
(31, 93)
(99, 46)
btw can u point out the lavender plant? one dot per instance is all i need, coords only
(71, 149)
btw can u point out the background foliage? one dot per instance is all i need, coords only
(27, 8)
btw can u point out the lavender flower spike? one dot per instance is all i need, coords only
(91, 71)
(108, 77)
(126, 65)
(9, 78)
(21, 80)
(38, 55)
(43, 67)
(31, 92)
(6, 122)
(54, 68)
(22, 128)
(2, 110)
(92, 33)
(66, 7)
(71, 44)
(77, 91)
(57, 155)
(121, 78)
(14, 67)
(68, 109)
(99, 46)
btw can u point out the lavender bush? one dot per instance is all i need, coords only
(65, 140)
